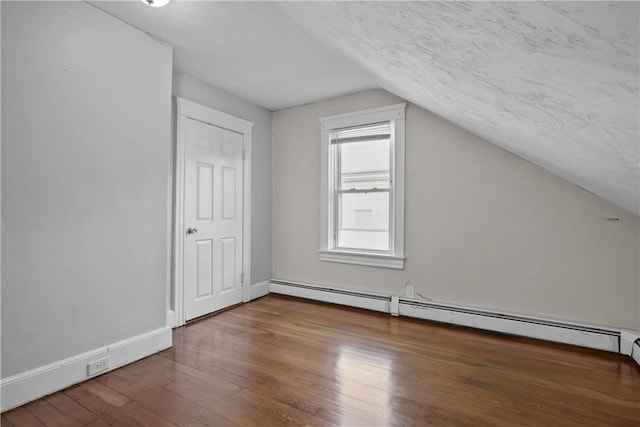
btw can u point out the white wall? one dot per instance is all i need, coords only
(194, 90)
(483, 227)
(86, 108)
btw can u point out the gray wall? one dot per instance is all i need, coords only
(483, 227)
(86, 108)
(194, 90)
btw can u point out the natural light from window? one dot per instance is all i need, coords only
(362, 194)
(364, 377)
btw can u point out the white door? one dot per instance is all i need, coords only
(213, 186)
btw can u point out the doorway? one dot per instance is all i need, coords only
(212, 211)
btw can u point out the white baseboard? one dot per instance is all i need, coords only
(630, 344)
(258, 290)
(27, 386)
(551, 330)
(336, 296)
(627, 338)
(635, 351)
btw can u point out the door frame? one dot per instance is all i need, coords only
(184, 110)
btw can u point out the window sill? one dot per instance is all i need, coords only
(359, 258)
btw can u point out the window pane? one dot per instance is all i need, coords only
(374, 131)
(364, 164)
(364, 221)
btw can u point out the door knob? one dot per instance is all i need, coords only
(191, 230)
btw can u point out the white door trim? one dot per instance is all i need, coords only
(186, 109)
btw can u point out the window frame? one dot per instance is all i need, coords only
(395, 115)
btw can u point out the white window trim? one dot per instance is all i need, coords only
(396, 114)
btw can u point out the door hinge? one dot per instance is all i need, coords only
(244, 154)
(242, 278)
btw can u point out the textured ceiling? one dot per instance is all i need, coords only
(250, 49)
(555, 83)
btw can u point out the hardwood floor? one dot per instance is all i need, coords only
(285, 361)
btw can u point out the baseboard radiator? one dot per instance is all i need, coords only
(635, 351)
(550, 330)
(333, 295)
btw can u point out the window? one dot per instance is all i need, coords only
(362, 194)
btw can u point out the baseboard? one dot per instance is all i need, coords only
(550, 330)
(545, 329)
(627, 339)
(258, 290)
(27, 386)
(635, 351)
(333, 295)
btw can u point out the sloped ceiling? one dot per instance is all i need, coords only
(555, 83)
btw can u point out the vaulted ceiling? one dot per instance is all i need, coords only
(555, 83)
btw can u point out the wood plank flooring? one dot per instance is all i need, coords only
(283, 361)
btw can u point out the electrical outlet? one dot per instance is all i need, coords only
(410, 291)
(98, 366)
